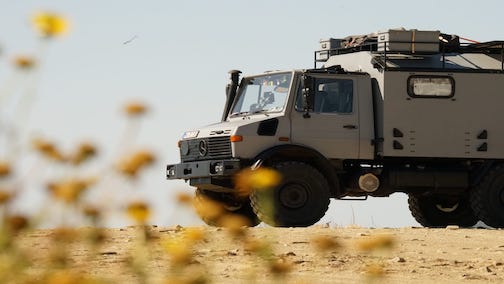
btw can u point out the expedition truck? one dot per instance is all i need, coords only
(418, 112)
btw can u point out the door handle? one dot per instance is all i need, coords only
(350, 126)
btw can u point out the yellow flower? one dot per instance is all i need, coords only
(384, 241)
(208, 209)
(325, 243)
(68, 277)
(5, 169)
(69, 191)
(194, 234)
(258, 179)
(143, 158)
(16, 223)
(131, 165)
(24, 62)
(280, 267)
(96, 236)
(179, 249)
(258, 247)
(135, 109)
(84, 152)
(138, 211)
(374, 270)
(48, 150)
(49, 24)
(184, 198)
(235, 224)
(64, 235)
(91, 212)
(5, 196)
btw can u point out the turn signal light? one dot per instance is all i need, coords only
(283, 139)
(236, 138)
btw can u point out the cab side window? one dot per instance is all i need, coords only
(331, 96)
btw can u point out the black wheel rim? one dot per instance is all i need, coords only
(502, 196)
(293, 196)
(447, 208)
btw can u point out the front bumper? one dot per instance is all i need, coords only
(201, 169)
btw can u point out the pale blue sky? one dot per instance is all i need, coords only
(177, 63)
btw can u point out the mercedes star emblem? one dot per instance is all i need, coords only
(203, 148)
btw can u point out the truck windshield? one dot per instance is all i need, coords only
(262, 94)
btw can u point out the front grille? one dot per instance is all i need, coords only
(218, 147)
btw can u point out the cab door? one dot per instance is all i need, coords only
(332, 127)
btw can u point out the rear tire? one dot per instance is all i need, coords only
(487, 198)
(228, 204)
(441, 211)
(300, 200)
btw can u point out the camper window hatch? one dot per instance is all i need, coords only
(426, 86)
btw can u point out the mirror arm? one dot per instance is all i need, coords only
(307, 95)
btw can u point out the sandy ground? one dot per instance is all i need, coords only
(296, 255)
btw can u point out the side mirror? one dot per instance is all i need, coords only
(228, 87)
(308, 95)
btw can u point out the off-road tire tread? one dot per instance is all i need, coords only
(479, 200)
(466, 217)
(266, 218)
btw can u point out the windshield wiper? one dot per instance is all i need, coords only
(239, 113)
(264, 111)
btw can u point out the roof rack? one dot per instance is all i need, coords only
(383, 55)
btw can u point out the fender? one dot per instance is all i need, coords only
(290, 152)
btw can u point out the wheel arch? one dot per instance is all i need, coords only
(303, 154)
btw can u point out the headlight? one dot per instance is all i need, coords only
(219, 167)
(170, 171)
(216, 168)
(190, 134)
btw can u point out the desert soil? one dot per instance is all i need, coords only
(416, 255)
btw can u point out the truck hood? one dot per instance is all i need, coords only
(230, 126)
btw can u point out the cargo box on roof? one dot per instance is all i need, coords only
(411, 41)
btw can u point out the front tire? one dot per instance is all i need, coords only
(299, 200)
(487, 198)
(441, 211)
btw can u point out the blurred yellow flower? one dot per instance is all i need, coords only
(49, 24)
(280, 267)
(135, 109)
(67, 276)
(96, 236)
(184, 198)
(179, 249)
(325, 243)
(5, 196)
(5, 169)
(257, 246)
(131, 165)
(48, 150)
(16, 223)
(64, 235)
(91, 212)
(143, 158)
(24, 62)
(384, 241)
(258, 179)
(208, 209)
(84, 152)
(70, 190)
(374, 270)
(235, 224)
(194, 234)
(138, 211)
